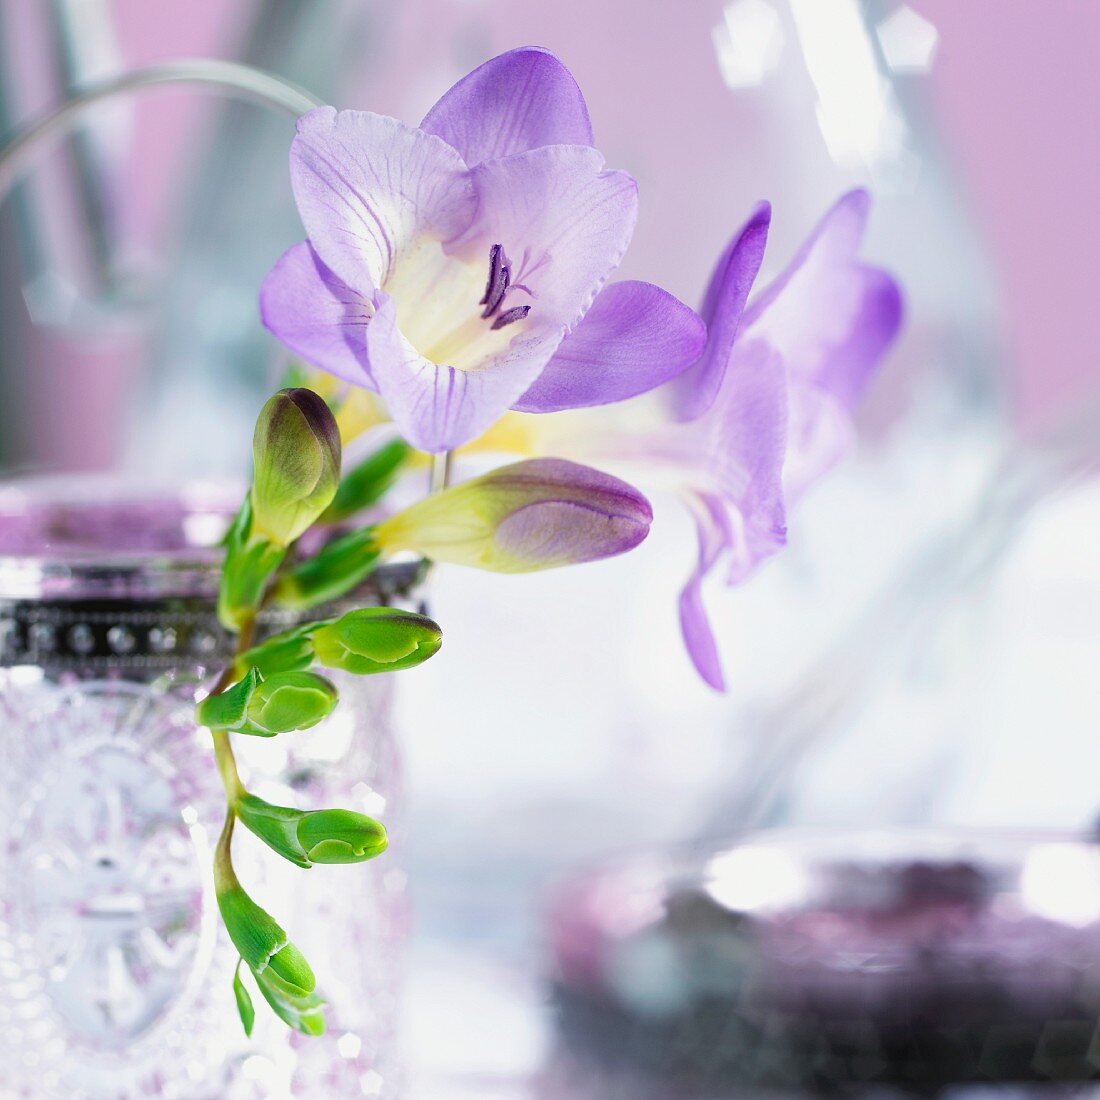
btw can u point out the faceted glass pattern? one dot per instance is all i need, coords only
(114, 968)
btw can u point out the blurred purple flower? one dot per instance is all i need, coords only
(764, 410)
(770, 400)
(449, 266)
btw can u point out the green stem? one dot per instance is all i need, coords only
(225, 878)
(227, 766)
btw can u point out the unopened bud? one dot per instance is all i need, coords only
(306, 837)
(296, 455)
(377, 639)
(288, 701)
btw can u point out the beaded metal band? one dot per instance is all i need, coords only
(140, 635)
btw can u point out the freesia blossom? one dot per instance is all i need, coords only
(458, 268)
(764, 411)
(528, 516)
(804, 351)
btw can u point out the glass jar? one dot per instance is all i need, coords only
(116, 968)
(817, 962)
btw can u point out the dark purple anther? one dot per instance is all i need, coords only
(500, 274)
(495, 263)
(517, 313)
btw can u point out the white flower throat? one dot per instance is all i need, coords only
(437, 296)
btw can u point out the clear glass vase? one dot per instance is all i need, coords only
(116, 969)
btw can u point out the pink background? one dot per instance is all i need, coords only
(1014, 93)
(1016, 88)
(1017, 91)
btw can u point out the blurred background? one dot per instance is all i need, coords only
(925, 651)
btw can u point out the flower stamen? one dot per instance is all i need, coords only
(500, 276)
(497, 287)
(517, 313)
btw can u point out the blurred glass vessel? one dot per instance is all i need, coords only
(825, 961)
(116, 969)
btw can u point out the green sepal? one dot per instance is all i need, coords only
(368, 482)
(276, 826)
(245, 1009)
(376, 639)
(250, 561)
(339, 567)
(261, 941)
(229, 710)
(290, 651)
(288, 701)
(302, 1011)
(306, 837)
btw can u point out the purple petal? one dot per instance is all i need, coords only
(568, 513)
(561, 532)
(317, 315)
(740, 445)
(634, 338)
(563, 221)
(438, 408)
(835, 239)
(694, 391)
(518, 101)
(746, 434)
(829, 316)
(369, 189)
(849, 365)
(712, 525)
(821, 433)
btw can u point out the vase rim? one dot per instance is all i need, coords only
(87, 536)
(105, 536)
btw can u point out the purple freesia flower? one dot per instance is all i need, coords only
(786, 374)
(765, 409)
(449, 266)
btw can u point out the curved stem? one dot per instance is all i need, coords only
(227, 766)
(230, 77)
(226, 760)
(224, 875)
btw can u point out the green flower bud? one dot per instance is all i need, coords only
(229, 710)
(306, 837)
(341, 566)
(245, 1009)
(296, 455)
(260, 940)
(289, 964)
(302, 1011)
(341, 836)
(368, 482)
(288, 701)
(377, 639)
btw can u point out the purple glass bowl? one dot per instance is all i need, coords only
(817, 960)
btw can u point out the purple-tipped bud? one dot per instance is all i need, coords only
(528, 516)
(296, 453)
